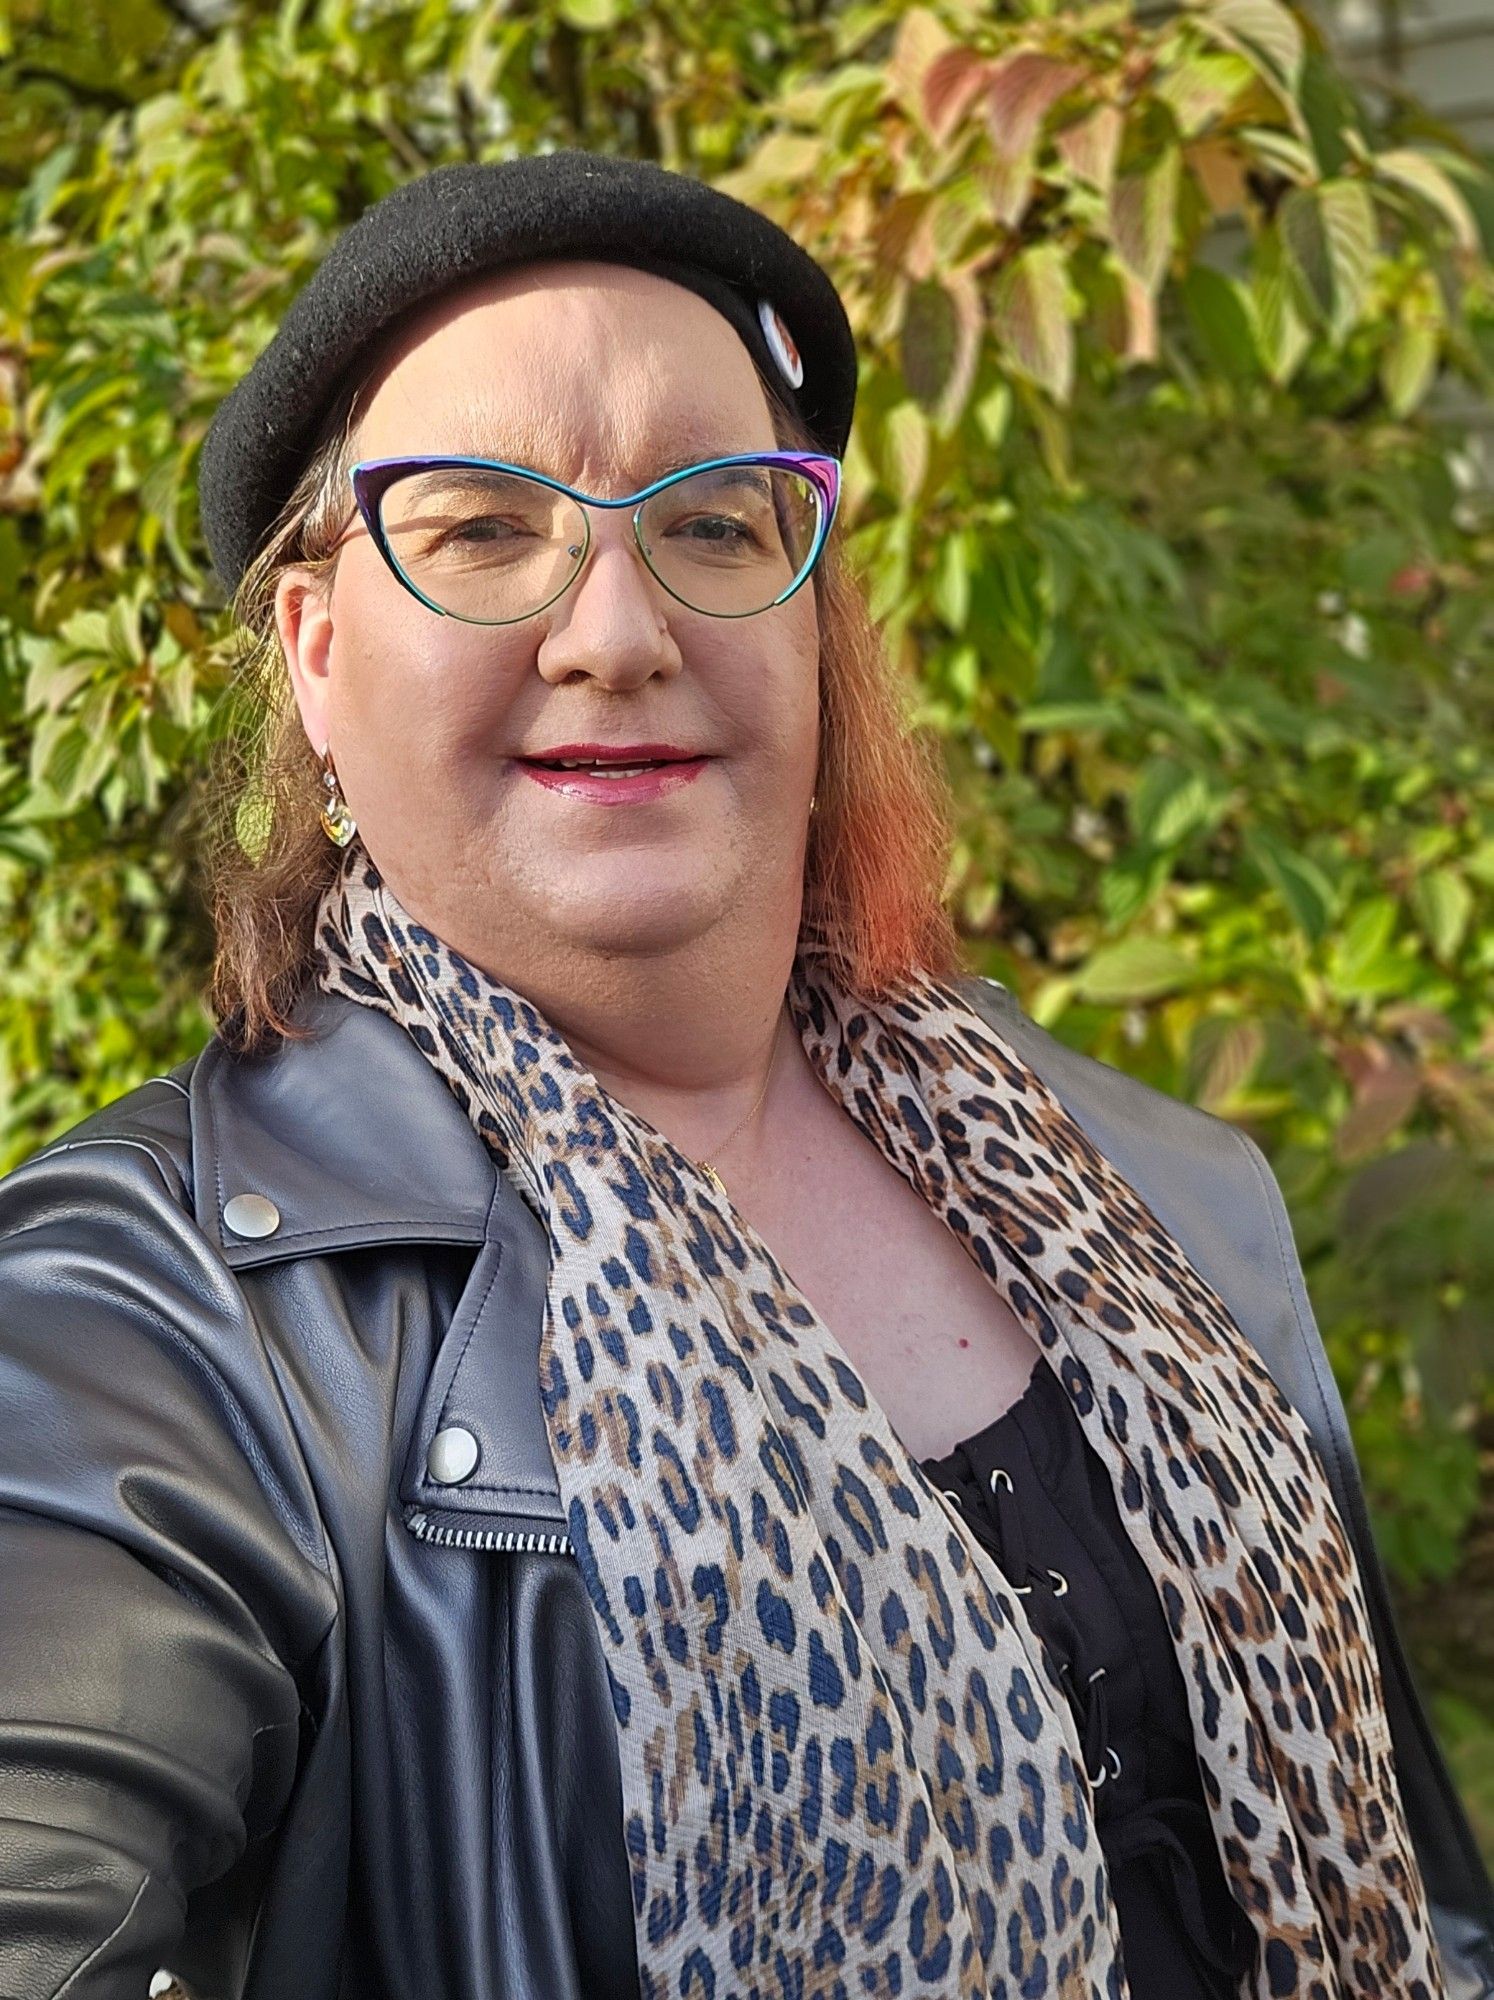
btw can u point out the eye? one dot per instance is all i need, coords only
(483, 528)
(715, 528)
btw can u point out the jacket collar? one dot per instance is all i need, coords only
(352, 1136)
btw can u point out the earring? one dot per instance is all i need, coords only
(813, 800)
(337, 822)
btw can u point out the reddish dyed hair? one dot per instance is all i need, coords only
(879, 838)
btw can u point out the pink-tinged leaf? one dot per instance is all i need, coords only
(951, 83)
(1143, 212)
(1220, 172)
(1091, 147)
(1233, 1049)
(1009, 186)
(1030, 316)
(1021, 90)
(1141, 321)
(904, 235)
(920, 40)
(941, 344)
(1387, 1090)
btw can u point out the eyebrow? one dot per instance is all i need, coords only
(534, 454)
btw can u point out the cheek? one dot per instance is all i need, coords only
(411, 677)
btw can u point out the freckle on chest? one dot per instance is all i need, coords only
(964, 1343)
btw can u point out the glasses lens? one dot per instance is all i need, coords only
(731, 539)
(483, 545)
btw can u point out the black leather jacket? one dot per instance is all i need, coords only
(278, 1710)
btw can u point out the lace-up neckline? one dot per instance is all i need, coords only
(1037, 1500)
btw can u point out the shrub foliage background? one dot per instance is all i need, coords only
(1171, 547)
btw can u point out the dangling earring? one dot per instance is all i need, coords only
(337, 822)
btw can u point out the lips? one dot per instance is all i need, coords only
(610, 756)
(615, 784)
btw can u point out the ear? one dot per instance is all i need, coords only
(303, 618)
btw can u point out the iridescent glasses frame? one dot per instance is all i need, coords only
(474, 538)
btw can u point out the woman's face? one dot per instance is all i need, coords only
(601, 376)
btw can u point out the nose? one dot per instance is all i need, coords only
(612, 622)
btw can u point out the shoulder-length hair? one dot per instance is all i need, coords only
(878, 844)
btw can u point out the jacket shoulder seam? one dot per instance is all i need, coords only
(111, 1139)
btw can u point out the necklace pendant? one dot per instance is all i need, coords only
(706, 1168)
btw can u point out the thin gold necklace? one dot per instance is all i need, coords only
(705, 1165)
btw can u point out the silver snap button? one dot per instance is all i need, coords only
(453, 1456)
(251, 1215)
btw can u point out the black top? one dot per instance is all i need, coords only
(1039, 1499)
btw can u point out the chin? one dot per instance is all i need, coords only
(633, 918)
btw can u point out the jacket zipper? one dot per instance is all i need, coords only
(510, 1540)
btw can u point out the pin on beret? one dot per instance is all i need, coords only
(456, 224)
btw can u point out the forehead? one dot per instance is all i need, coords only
(567, 366)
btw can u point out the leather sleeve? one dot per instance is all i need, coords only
(163, 1584)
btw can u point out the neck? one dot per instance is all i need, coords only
(686, 1040)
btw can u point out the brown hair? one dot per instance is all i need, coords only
(879, 838)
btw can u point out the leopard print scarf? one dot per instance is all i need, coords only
(845, 1768)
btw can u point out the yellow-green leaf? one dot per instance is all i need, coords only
(907, 451)
(1443, 903)
(1140, 968)
(1425, 178)
(1263, 30)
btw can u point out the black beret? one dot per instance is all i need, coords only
(454, 224)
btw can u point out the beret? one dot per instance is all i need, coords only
(456, 223)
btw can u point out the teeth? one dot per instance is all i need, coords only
(604, 770)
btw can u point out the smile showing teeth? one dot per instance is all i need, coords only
(605, 770)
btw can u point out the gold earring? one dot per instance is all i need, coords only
(337, 822)
(813, 800)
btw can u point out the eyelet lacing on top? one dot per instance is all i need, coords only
(1086, 1692)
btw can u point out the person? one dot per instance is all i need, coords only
(627, 1426)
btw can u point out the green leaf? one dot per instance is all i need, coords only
(1281, 335)
(1219, 309)
(1168, 804)
(1408, 365)
(1263, 30)
(1331, 237)
(252, 823)
(1141, 968)
(1300, 883)
(951, 593)
(1203, 85)
(1442, 903)
(1361, 962)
